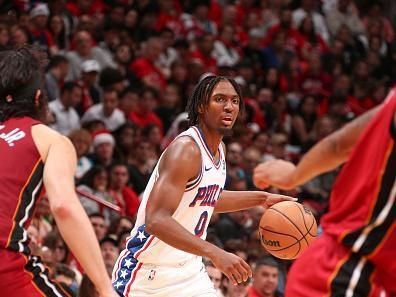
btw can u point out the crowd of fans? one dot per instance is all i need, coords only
(120, 73)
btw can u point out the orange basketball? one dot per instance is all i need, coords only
(287, 229)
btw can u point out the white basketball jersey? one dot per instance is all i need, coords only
(193, 213)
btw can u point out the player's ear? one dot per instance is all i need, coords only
(201, 109)
(37, 97)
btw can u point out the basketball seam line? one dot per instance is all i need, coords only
(292, 223)
(310, 228)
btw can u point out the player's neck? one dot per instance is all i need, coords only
(212, 138)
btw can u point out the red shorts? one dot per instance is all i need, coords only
(329, 269)
(26, 276)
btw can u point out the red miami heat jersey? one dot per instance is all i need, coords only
(362, 206)
(21, 171)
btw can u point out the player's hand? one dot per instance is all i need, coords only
(272, 199)
(278, 173)
(234, 267)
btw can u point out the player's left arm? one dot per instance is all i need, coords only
(230, 201)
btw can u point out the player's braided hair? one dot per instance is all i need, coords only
(201, 95)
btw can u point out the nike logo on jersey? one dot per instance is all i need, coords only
(207, 169)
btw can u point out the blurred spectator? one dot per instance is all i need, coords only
(86, 50)
(202, 53)
(107, 111)
(145, 67)
(54, 78)
(110, 251)
(216, 276)
(310, 42)
(344, 13)
(59, 249)
(230, 290)
(90, 92)
(63, 109)
(308, 8)
(87, 288)
(57, 30)
(198, 23)
(125, 138)
(170, 105)
(48, 258)
(142, 165)
(94, 181)
(374, 14)
(99, 225)
(81, 140)
(224, 49)
(66, 276)
(144, 114)
(103, 149)
(265, 278)
(38, 32)
(124, 196)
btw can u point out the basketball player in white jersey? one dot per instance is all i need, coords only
(163, 255)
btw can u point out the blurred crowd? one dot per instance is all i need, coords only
(119, 76)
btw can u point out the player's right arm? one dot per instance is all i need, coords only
(325, 156)
(59, 158)
(180, 163)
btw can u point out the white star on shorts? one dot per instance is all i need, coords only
(123, 274)
(141, 236)
(128, 263)
(118, 284)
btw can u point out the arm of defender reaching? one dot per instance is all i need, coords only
(71, 219)
(326, 155)
(181, 163)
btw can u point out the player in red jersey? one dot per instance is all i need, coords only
(33, 156)
(355, 256)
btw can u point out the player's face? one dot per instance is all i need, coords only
(223, 108)
(266, 279)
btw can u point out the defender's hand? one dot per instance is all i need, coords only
(276, 173)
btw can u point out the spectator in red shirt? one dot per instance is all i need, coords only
(203, 52)
(144, 114)
(310, 42)
(145, 67)
(285, 25)
(265, 278)
(124, 196)
(315, 81)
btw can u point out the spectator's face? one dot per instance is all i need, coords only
(119, 177)
(75, 96)
(109, 254)
(155, 136)
(261, 142)
(100, 181)
(154, 49)
(234, 154)
(286, 18)
(40, 21)
(207, 44)
(56, 24)
(83, 43)
(307, 25)
(81, 146)
(309, 106)
(110, 102)
(265, 280)
(4, 37)
(60, 251)
(129, 102)
(99, 226)
(124, 225)
(63, 69)
(171, 96)
(131, 18)
(19, 37)
(240, 290)
(215, 276)
(127, 138)
(89, 78)
(251, 158)
(123, 54)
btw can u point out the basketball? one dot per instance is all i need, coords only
(287, 229)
